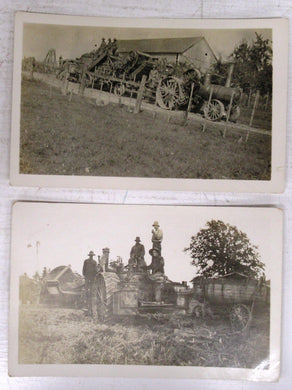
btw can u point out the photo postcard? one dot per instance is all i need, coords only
(145, 291)
(139, 104)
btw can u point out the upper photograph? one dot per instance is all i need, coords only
(192, 105)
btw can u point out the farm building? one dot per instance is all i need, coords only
(195, 50)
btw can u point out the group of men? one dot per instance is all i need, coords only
(137, 253)
(111, 47)
(136, 262)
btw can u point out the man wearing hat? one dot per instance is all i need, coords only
(157, 276)
(90, 270)
(137, 255)
(157, 264)
(104, 259)
(157, 236)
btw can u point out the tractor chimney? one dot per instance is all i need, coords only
(207, 80)
(230, 73)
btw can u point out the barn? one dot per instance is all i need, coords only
(194, 50)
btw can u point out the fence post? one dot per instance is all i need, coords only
(249, 98)
(66, 84)
(267, 101)
(254, 107)
(140, 95)
(228, 114)
(253, 111)
(189, 104)
(209, 101)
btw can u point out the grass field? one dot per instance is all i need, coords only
(49, 335)
(79, 138)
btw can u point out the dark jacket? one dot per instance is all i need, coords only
(90, 269)
(157, 265)
(137, 251)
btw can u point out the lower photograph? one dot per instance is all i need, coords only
(145, 291)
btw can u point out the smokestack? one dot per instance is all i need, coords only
(230, 73)
(207, 80)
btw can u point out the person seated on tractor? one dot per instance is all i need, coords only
(157, 275)
(157, 264)
(137, 256)
(114, 48)
(101, 48)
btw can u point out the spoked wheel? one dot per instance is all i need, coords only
(102, 295)
(168, 93)
(240, 317)
(119, 89)
(192, 75)
(214, 110)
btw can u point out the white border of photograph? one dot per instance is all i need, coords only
(267, 228)
(279, 106)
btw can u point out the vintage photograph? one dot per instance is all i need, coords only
(190, 291)
(126, 101)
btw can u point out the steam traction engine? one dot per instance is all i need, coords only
(170, 86)
(131, 293)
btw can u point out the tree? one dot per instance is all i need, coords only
(253, 65)
(221, 249)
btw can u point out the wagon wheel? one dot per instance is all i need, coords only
(168, 93)
(192, 76)
(240, 316)
(214, 110)
(119, 89)
(102, 294)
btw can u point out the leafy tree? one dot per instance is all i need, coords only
(253, 65)
(220, 249)
(219, 72)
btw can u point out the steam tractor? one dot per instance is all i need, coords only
(168, 85)
(133, 292)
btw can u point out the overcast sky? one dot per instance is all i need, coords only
(73, 41)
(52, 234)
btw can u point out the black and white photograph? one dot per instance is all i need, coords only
(162, 104)
(169, 291)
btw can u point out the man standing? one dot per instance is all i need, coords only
(157, 236)
(137, 255)
(104, 259)
(90, 270)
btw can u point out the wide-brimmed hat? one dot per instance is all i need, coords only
(154, 249)
(91, 253)
(155, 223)
(137, 239)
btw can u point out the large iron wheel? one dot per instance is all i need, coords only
(119, 89)
(102, 295)
(240, 317)
(214, 110)
(168, 93)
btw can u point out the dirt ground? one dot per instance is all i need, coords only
(78, 137)
(50, 335)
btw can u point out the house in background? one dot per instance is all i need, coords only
(194, 50)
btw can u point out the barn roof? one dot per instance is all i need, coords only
(161, 45)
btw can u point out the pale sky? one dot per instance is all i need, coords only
(73, 41)
(53, 234)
